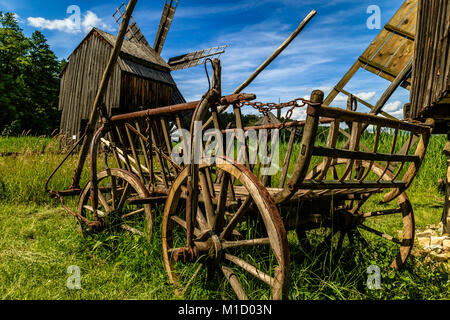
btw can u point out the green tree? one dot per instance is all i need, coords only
(29, 80)
(14, 60)
(42, 80)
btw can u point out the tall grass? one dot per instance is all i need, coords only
(39, 241)
(28, 144)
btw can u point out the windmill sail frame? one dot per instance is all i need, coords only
(164, 25)
(134, 33)
(196, 58)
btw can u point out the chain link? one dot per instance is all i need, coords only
(265, 108)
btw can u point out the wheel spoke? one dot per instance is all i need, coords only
(220, 214)
(235, 220)
(182, 223)
(191, 279)
(380, 234)
(133, 213)
(245, 243)
(250, 269)
(382, 213)
(104, 202)
(131, 229)
(124, 196)
(201, 220)
(360, 238)
(113, 192)
(99, 213)
(206, 195)
(234, 282)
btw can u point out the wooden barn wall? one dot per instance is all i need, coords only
(430, 82)
(80, 82)
(139, 92)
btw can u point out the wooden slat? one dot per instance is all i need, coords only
(333, 184)
(389, 52)
(361, 155)
(404, 33)
(350, 116)
(378, 67)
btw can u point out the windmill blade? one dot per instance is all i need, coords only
(164, 25)
(195, 58)
(134, 33)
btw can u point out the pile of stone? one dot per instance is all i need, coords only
(433, 242)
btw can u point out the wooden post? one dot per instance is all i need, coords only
(306, 149)
(101, 93)
(446, 212)
(269, 60)
(276, 53)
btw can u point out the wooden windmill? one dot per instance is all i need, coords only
(139, 79)
(389, 56)
(181, 62)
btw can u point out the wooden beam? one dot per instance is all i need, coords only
(392, 87)
(101, 93)
(360, 155)
(269, 60)
(378, 66)
(401, 32)
(356, 97)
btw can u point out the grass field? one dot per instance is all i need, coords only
(39, 242)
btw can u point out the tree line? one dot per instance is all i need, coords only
(29, 81)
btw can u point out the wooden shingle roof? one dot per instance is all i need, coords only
(136, 59)
(136, 50)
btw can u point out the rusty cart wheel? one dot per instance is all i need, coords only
(349, 223)
(118, 191)
(238, 236)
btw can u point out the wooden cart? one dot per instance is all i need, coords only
(224, 216)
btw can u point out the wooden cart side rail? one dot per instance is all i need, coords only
(177, 108)
(360, 155)
(352, 116)
(316, 111)
(289, 124)
(333, 185)
(414, 167)
(422, 130)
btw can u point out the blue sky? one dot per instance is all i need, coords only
(253, 29)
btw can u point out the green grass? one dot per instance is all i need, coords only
(28, 144)
(39, 241)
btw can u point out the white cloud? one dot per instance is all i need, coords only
(393, 106)
(366, 95)
(91, 20)
(66, 25)
(394, 109)
(362, 95)
(69, 25)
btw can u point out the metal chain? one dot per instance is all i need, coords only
(265, 108)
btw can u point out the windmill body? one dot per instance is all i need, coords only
(141, 79)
